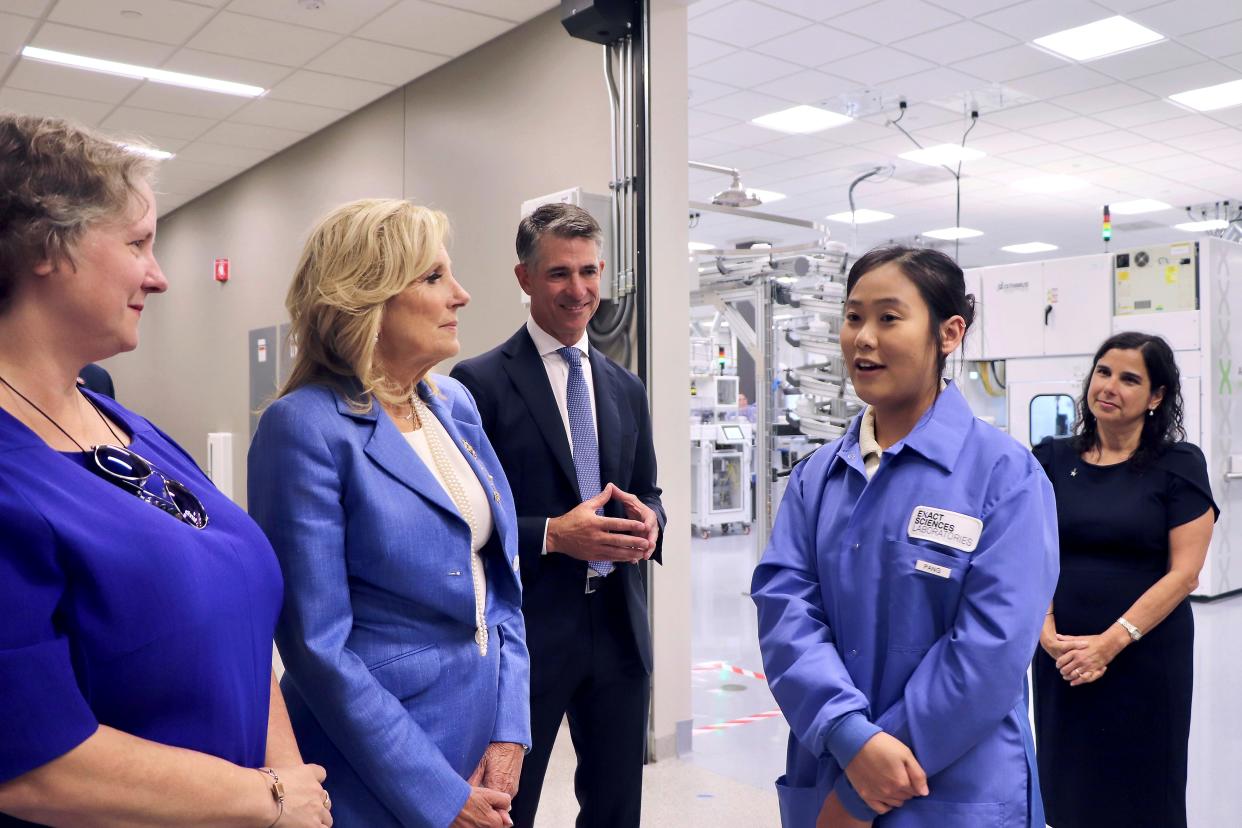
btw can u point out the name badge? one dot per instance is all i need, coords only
(933, 569)
(942, 526)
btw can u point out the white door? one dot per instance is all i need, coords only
(1079, 292)
(1014, 323)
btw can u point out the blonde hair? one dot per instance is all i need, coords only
(56, 180)
(358, 257)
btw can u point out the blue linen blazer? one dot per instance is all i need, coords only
(384, 682)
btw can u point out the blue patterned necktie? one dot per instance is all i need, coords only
(582, 436)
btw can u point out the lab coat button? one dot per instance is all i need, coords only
(855, 547)
(852, 653)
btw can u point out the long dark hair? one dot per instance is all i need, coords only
(938, 278)
(1164, 426)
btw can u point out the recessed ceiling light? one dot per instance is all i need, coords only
(952, 233)
(946, 154)
(1134, 208)
(1202, 226)
(149, 152)
(1049, 184)
(1029, 247)
(863, 216)
(801, 119)
(1102, 38)
(129, 70)
(767, 196)
(701, 246)
(1208, 98)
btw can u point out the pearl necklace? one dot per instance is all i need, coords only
(457, 493)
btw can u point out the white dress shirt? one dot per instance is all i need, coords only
(557, 369)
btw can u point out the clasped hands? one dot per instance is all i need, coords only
(885, 774)
(1082, 659)
(582, 534)
(492, 788)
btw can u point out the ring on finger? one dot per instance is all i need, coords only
(327, 801)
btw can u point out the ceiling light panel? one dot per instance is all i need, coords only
(1210, 98)
(862, 216)
(1102, 38)
(1137, 207)
(129, 70)
(1029, 247)
(943, 154)
(952, 233)
(1202, 226)
(801, 119)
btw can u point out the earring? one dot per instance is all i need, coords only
(1151, 412)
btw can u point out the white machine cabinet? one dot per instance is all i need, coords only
(720, 462)
(1052, 308)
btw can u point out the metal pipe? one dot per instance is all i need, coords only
(613, 106)
(699, 165)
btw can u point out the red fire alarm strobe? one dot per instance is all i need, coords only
(222, 270)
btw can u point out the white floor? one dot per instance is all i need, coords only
(726, 782)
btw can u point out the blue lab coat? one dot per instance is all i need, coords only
(883, 605)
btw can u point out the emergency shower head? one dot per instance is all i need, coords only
(736, 195)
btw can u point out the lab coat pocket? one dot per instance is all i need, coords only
(924, 587)
(799, 804)
(410, 673)
(926, 813)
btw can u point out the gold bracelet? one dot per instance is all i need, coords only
(278, 794)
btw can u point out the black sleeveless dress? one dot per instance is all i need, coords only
(1113, 752)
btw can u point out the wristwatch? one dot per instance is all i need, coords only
(278, 794)
(1134, 632)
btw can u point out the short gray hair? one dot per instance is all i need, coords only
(568, 221)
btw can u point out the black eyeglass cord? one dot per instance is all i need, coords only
(48, 417)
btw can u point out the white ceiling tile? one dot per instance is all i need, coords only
(416, 24)
(858, 132)
(1141, 153)
(29, 8)
(333, 17)
(1179, 17)
(745, 160)
(164, 21)
(701, 90)
(1148, 60)
(798, 146)
(181, 101)
(143, 121)
(1205, 140)
(515, 11)
(13, 32)
(1069, 128)
(952, 133)
(814, 45)
(746, 69)
(817, 9)
(1079, 164)
(808, 87)
(34, 76)
(1127, 6)
(701, 147)
(287, 115)
(961, 40)
(1005, 142)
(209, 153)
(972, 8)
(1176, 127)
(746, 134)
(877, 66)
(1031, 115)
(100, 45)
(1064, 81)
(1104, 98)
(704, 6)
(1142, 114)
(226, 67)
(1034, 156)
(38, 103)
(376, 62)
(1035, 18)
(333, 91)
(1218, 41)
(745, 105)
(1163, 84)
(701, 123)
(701, 50)
(249, 135)
(1106, 141)
(932, 84)
(1171, 164)
(1006, 64)
(744, 23)
(891, 20)
(1230, 117)
(245, 36)
(1233, 61)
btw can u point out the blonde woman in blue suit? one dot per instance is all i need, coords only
(407, 673)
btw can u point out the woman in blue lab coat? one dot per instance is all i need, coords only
(901, 595)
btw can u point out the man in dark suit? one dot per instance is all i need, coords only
(573, 434)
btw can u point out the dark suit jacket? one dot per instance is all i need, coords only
(520, 416)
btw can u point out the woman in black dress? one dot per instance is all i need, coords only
(1136, 512)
